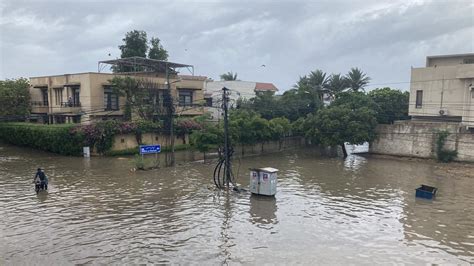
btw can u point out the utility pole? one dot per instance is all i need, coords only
(227, 169)
(171, 116)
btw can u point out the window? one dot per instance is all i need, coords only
(58, 96)
(44, 96)
(76, 96)
(419, 99)
(110, 99)
(209, 102)
(185, 98)
(76, 119)
(469, 61)
(60, 119)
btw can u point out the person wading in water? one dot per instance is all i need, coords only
(41, 180)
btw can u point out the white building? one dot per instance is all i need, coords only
(238, 90)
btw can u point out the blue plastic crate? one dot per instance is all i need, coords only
(426, 192)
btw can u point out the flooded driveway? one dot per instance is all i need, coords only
(326, 211)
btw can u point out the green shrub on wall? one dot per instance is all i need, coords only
(52, 138)
(444, 155)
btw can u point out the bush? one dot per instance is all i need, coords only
(52, 138)
(444, 155)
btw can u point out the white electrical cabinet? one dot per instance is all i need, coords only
(263, 181)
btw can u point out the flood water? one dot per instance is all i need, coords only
(326, 211)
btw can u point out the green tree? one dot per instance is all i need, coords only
(207, 139)
(125, 87)
(156, 50)
(357, 80)
(14, 99)
(355, 100)
(336, 125)
(280, 128)
(294, 104)
(336, 84)
(313, 86)
(135, 44)
(141, 97)
(229, 76)
(264, 103)
(392, 104)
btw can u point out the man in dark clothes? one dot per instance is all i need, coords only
(41, 177)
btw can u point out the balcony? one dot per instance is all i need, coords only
(190, 109)
(39, 107)
(68, 107)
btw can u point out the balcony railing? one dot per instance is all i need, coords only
(39, 103)
(70, 104)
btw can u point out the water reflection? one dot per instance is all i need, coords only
(42, 196)
(354, 162)
(358, 211)
(263, 210)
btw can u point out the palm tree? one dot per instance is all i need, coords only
(315, 84)
(356, 79)
(336, 84)
(318, 79)
(229, 76)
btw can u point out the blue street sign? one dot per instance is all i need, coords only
(148, 149)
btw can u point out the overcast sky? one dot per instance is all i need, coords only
(291, 38)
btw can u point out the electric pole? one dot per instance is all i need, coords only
(227, 166)
(170, 110)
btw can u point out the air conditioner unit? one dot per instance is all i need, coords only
(443, 111)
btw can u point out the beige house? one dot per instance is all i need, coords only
(444, 89)
(88, 97)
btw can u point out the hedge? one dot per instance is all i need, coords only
(52, 138)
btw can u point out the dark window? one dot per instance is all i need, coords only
(209, 102)
(111, 101)
(58, 96)
(76, 119)
(185, 98)
(469, 61)
(60, 119)
(44, 95)
(76, 96)
(419, 99)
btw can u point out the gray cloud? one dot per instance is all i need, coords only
(384, 38)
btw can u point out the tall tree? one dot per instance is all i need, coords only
(314, 86)
(318, 80)
(125, 87)
(156, 50)
(392, 104)
(354, 100)
(293, 104)
(14, 99)
(229, 76)
(357, 80)
(135, 44)
(336, 84)
(141, 97)
(336, 125)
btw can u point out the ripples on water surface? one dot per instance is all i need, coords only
(327, 211)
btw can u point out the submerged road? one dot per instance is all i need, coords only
(326, 211)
